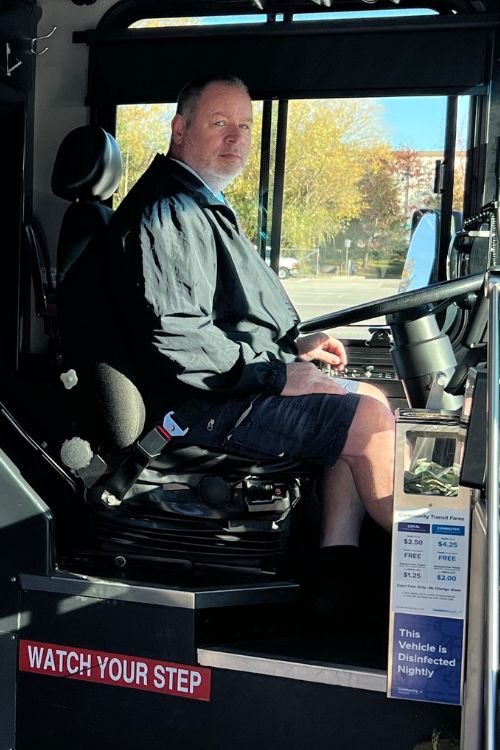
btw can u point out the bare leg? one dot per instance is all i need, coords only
(369, 451)
(342, 517)
(367, 389)
(362, 477)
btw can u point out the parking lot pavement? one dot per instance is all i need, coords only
(319, 295)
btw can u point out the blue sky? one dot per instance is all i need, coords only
(419, 122)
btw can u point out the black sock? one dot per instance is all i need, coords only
(338, 551)
(338, 557)
(333, 581)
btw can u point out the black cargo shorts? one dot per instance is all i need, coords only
(311, 428)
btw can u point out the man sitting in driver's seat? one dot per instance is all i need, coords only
(205, 317)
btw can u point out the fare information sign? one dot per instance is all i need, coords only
(430, 559)
(429, 594)
(431, 562)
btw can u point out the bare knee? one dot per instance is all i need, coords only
(367, 389)
(372, 428)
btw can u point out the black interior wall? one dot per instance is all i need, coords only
(18, 25)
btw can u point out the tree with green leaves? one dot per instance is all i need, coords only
(379, 233)
(327, 147)
(142, 131)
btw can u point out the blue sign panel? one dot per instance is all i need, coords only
(427, 658)
(439, 528)
(418, 528)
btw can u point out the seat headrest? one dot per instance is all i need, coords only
(88, 165)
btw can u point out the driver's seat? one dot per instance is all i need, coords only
(187, 504)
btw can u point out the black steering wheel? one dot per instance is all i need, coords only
(398, 303)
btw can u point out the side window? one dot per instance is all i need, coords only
(356, 172)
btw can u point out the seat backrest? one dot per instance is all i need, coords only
(109, 409)
(87, 170)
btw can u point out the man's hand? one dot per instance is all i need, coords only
(304, 377)
(319, 347)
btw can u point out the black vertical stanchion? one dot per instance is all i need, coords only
(279, 184)
(447, 186)
(265, 158)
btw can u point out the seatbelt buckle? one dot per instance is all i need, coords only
(171, 427)
(147, 449)
(152, 444)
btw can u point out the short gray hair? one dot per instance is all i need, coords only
(191, 92)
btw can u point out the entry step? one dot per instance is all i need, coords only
(306, 671)
(196, 597)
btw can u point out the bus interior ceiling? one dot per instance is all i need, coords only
(67, 63)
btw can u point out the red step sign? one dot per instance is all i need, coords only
(115, 669)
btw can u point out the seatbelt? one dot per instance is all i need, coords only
(144, 451)
(150, 447)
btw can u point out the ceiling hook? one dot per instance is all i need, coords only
(36, 39)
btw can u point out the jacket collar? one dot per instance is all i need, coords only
(189, 181)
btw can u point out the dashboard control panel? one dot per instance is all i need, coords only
(374, 372)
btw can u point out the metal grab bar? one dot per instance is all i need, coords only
(492, 290)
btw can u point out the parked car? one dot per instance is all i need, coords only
(288, 266)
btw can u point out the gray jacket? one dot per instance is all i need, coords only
(204, 313)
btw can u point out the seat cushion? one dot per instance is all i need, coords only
(193, 459)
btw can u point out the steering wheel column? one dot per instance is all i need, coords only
(421, 354)
(421, 351)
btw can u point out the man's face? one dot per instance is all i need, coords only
(214, 138)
